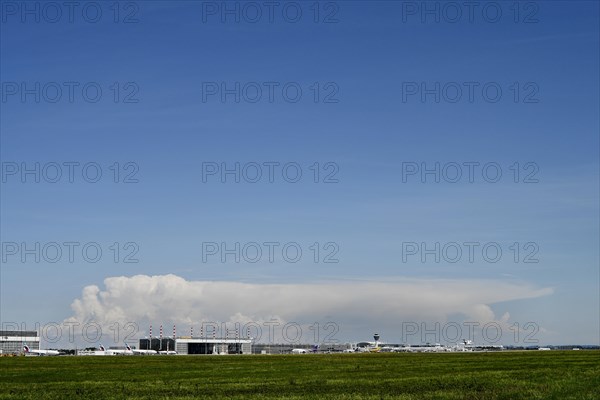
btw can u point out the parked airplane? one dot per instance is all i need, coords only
(368, 347)
(390, 349)
(27, 350)
(468, 345)
(116, 352)
(299, 351)
(138, 351)
(92, 352)
(427, 348)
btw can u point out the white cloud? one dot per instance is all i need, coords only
(357, 308)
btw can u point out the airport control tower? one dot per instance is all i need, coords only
(376, 337)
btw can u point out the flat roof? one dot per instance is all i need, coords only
(18, 333)
(212, 340)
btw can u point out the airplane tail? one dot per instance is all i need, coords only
(26, 348)
(128, 348)
(102, 348)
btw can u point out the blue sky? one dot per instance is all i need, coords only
(369, 57)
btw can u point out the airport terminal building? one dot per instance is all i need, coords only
(11, 342)
(198, 345)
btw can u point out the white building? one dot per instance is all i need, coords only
(11, 342)
(196, 345)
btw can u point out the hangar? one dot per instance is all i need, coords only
(158, 344)
(11, 342)
(197, 345)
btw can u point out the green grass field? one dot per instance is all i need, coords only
(500, 375)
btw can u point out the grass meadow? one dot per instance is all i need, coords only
(493, 375)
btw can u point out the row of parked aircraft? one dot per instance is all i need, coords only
(314, 349)
(127, 351)
(376, 347)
